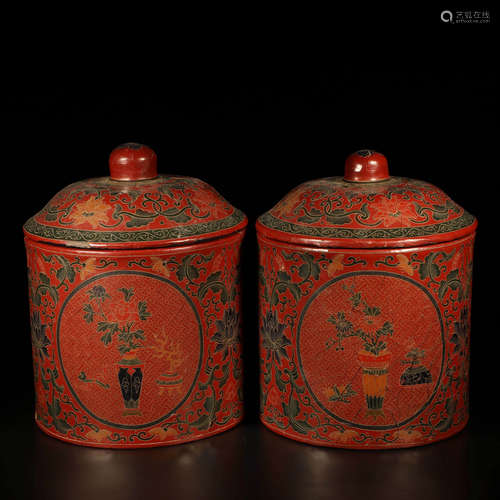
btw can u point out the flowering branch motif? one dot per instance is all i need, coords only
(207, 280)
(394, 205)
(91, 203)
(340, 393)
(39, 338)
(273, 338)
(227, 335)
(283, 280)
(45, 287)
(120, 322)
(372, 332)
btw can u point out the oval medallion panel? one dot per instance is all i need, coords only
(367, 358)
(137, 359)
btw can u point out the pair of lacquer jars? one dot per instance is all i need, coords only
(364, 315)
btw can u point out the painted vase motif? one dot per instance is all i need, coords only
(135, 298)
(365, 294)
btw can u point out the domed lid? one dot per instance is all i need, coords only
(134, 208)
(367, 208)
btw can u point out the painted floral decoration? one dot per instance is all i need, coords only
(372, 330)
(38, 337)
(459, 337)
(91, 212)
(274, 340)
(117, 318)
(227, 335)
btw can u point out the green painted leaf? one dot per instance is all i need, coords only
(49, 216)
(209, 404)
(225, 375)
(103, 325)
(307, 219)
(443, 288)
(143, 218)
(143, 312)
(218, 404)
(267, 374)
(61, 274)
(123, 349)
(180, 273)
(339, 217)
(301, 426)
(293, 409)
(89, 313)
(182, 217)
(106, 338)
(68, 271)
(315, 270)
(261, 275)
(295, 290)
(45, 381)
(127, 293)
(139, 334)
(202, 423)
(280, 383)
(53, 293)
(428, 269)
(224, 296)
(44, 279)
(193, 272)
(283, 276)
(61, 425)
(57, 406)
(304, 271)
(214, 276)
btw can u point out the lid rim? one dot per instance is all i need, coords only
(153, 238)
(338, 237)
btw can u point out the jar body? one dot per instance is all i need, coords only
(136, 348)
(365, 348)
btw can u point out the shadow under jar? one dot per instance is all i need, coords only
(365, 293)
(135, 308)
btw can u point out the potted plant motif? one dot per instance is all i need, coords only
(416, 373)
(366, 323)
(116, 317)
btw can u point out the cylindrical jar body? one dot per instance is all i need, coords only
(365, 348)
(136, 348)
(135, 307)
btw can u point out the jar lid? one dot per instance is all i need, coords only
(134, 208)
(367, 208)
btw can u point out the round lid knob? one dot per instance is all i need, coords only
(132, 162)
(366, 166)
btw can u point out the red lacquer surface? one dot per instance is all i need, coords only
(132, 162)
(136, 348)
(366, 348)
(365, 294)
(366, 166)
(135, 333)
(366, 209)
(134, 208)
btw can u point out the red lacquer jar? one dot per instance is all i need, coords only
(365, 293)
(135, 308)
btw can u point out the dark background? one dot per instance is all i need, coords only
(254, 120)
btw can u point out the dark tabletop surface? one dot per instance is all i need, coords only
(247, 462)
